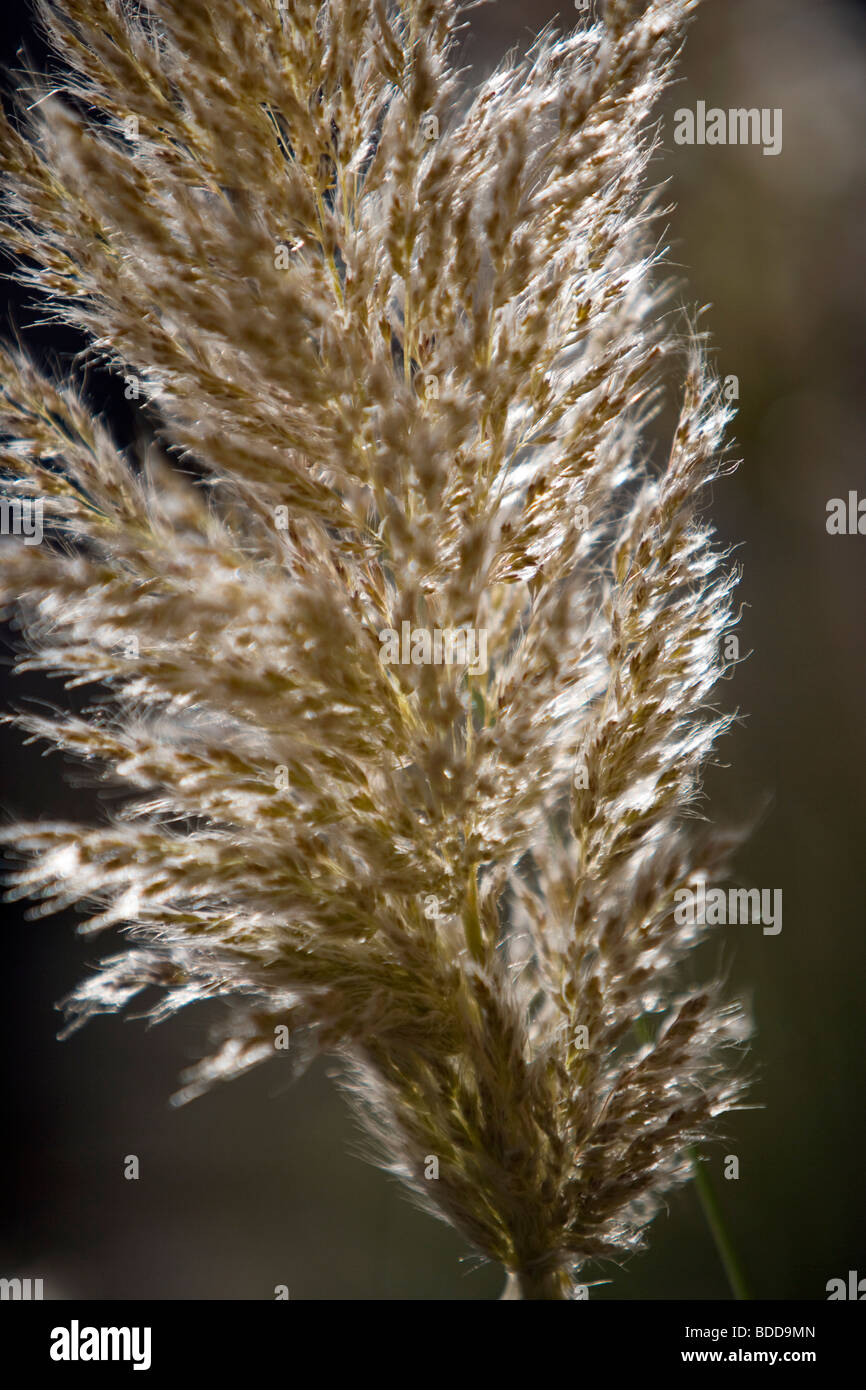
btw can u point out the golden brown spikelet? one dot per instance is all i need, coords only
(411, 339)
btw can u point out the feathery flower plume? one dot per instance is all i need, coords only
(396, 348)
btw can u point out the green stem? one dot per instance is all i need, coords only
(709, 1204)
(536, 1287)
(715, 1221)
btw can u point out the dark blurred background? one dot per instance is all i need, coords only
(257, 1184)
